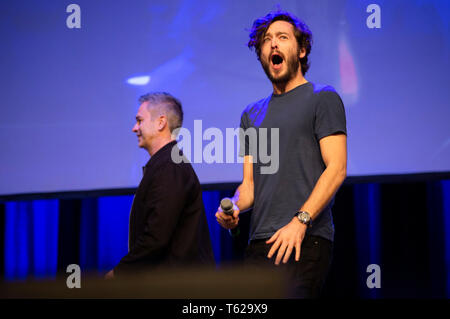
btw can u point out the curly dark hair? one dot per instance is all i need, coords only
(301, 32)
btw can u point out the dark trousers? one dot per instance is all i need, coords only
(305, 277)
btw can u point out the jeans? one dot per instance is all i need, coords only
(306, 277)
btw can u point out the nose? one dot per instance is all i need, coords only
(274, 43)
(135, 128)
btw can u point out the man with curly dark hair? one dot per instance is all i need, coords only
(291, 207)
(301, 33)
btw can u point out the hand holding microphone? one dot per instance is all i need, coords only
(227, 214)
(227, 206)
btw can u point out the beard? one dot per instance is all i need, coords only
(292, 64)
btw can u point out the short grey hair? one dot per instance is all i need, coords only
(165, 104)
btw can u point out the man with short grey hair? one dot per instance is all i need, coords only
(168, 225)
(164, 103)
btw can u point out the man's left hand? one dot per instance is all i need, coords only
(286, 239)
(110, 274)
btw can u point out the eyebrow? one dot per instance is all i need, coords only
(278, 33)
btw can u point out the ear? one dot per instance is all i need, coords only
(162, 122)
(302, 53)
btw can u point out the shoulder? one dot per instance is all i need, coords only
(254, 113)
(325, 92)
(255, 107)
(326, 97)
(174, 176)
(175, 166)
(180, 166)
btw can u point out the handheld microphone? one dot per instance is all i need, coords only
(227, 206)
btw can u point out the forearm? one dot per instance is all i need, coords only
(325, 188)
(244, 196)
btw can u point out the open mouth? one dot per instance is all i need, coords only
(276, 60)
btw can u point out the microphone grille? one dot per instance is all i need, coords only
(226, 204)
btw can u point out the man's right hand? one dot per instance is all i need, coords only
(227, 221)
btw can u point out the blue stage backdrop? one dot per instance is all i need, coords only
(69, 95)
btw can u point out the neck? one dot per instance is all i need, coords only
(280, 88)
(158, 144)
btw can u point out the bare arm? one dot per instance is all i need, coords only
(243, 197)
(334, 155)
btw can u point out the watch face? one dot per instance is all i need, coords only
(304, 217)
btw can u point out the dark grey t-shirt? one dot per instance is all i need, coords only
(303, 116)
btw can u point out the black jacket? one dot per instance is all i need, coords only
(168, 225)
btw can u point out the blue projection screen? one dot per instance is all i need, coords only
(72, 71)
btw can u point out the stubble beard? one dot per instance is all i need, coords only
(293, 65)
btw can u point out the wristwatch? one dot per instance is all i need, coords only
(304, 218)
